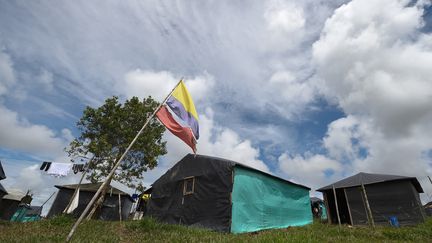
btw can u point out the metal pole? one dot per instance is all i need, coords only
(110, 175)
(370, 216)
(337, 208)
(79, 185)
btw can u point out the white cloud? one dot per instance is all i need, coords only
(310, 170)
(142, 83)
(373, 61)
(285, 22)
(19, 134)
(7, 73)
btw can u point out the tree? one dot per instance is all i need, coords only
(107, 131)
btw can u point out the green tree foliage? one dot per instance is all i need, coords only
(107, 131)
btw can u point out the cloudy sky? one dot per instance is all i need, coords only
(311, 91)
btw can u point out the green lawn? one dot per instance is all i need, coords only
(147, 230)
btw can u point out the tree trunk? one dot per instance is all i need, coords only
(98, 204)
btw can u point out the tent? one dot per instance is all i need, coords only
(2, 176)
(389, 196)
(227, 196)
(11, 202)
(318, 208)
(110, 207)
(27, 213)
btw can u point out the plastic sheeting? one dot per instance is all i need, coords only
(263, 202)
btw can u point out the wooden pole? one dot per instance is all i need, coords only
(48, 199)
(430, 180)
(79, 185)
(370, 216)
(337, 208)
(110, 175)
(348, 205)
(120, 208)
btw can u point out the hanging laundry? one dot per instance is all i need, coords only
(60, 169)
(78, 168)
(45, 165)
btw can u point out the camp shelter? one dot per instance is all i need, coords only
(2, 192)
(388, 196)
(227, 196)
(318, 208)
(11, 202)
(110, 207)
(27, 213)
(2, 176)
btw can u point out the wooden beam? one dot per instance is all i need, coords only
(370, 216)
(337, 208)
(349, 210)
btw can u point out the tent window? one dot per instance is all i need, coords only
(188, 185)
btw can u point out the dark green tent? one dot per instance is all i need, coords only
(227, 196)
(389, 196)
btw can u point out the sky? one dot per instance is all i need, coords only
(312, 91)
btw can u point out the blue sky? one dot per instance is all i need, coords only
(311, 91)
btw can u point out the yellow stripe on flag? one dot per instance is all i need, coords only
(183, 96)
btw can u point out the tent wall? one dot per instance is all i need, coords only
(8, 208)
(109, 208)
(263, 202)
(397, 198)
(208, 206)
(357, 205)
(386, 199)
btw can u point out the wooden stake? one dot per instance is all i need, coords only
(349, 209)
(110, 175)
(120, 208)
(337, 208)
(370, 216)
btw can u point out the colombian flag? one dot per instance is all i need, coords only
(182, 105)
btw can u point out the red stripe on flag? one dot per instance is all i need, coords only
(184, 133)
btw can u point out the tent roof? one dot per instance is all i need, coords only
(233, 163)
(14, 196)
(92, 187)
(2, 173)
(368, 178)
(3, 189)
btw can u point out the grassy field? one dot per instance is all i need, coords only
(147, 230)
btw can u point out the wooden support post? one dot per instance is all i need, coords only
(370, 216)
(348, 206)
(336, 204)
(120, 208)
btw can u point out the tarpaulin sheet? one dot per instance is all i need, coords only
(262, 202)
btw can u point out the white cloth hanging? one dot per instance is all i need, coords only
(60, 169)
(74, 203)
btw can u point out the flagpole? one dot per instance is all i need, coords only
(110, 175)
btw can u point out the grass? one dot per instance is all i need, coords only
(148, 230)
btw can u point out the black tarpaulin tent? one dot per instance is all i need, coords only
(227, 196)
(388, 196)
(11, 202)
(110, 207)
(2, 173)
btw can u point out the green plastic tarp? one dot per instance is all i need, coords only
(264, 202)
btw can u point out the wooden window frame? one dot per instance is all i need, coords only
(185, 183)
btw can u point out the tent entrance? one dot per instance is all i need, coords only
(344, 210)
